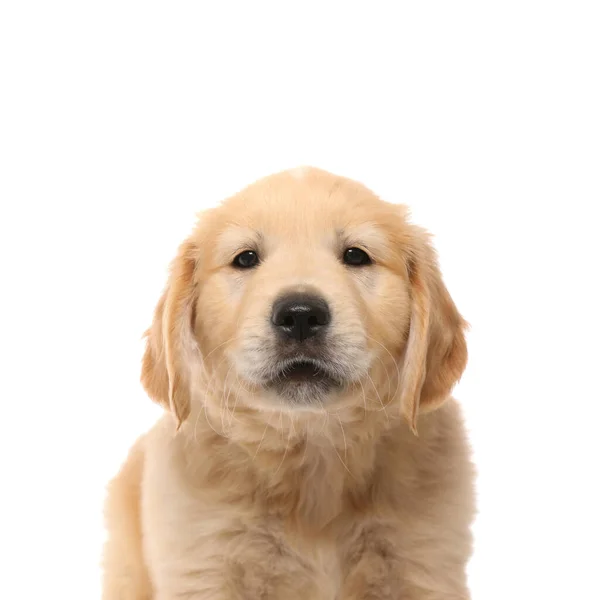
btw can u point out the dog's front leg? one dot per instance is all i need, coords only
(253, 563)
(371, 564)
(383, 563)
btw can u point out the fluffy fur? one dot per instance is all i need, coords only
(364, 492)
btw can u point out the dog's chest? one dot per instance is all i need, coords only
(196, 540)
(216, 550)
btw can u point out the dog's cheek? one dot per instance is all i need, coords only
(216, 311)
(390, 313)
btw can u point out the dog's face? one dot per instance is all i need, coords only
(305, 292)
(304, 289)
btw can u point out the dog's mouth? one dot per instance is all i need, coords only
(303, 375)
(300, 370)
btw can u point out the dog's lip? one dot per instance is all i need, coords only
(303, 369)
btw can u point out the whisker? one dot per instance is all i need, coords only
(326, 419)
(224, 400)
(387, 373)
(205, 372)
(305, 447)
(237, 396)
(379, 398)
(262, 438)
(208, 421)
(394, 362)
(362, 387)
(344, 436)
(209, 385)
(339, 456)
(285, 453)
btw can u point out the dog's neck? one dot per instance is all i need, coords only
(310, 469)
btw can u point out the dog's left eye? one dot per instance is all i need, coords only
(356, 257)
(246, 259)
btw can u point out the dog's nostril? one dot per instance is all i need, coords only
(300, 316)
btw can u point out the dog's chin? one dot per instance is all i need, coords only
(304, 383)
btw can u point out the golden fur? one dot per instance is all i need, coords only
(236, 494)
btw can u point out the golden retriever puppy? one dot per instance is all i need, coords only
(305, 348)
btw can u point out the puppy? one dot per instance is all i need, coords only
(304, 349)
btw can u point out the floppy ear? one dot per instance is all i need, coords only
(165, 366)
(436, 351)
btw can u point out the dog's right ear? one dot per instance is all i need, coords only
(169, 341)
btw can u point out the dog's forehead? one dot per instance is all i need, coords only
(302, 203)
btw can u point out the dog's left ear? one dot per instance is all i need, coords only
(436, 351)
(165, 366)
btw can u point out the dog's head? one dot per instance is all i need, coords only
(305, 292)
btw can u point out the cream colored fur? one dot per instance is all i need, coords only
(235, 494)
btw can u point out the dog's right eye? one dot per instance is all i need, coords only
(246, 260)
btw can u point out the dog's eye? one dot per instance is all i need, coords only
(356, 257)
(246, 260)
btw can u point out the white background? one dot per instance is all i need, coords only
(119, 120)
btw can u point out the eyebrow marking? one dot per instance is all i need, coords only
(364, 235)
(236, 239)
(367, 236)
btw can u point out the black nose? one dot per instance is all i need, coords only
(300, 316)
